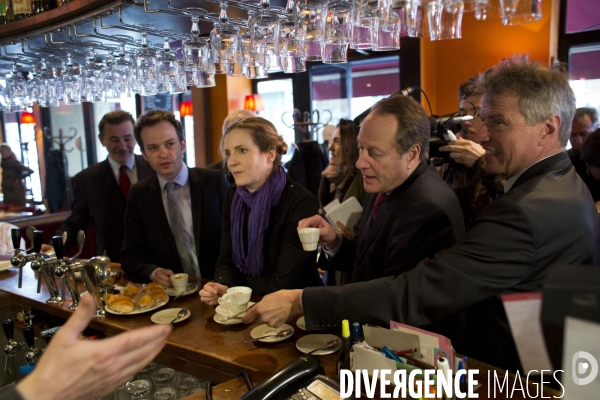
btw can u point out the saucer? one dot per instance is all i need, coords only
(301, 323)
(171, 291)
(166, 316)
(225, 310)
(219, 319)
(308, 343)
(264, 330)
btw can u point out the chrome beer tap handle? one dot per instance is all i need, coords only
(63, 271)
(34, 354)
(18, 260)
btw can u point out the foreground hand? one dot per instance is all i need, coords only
(73, 369)
(276, 308)
(463, 151)
(163, 276)
(329, 237)
(211, 292)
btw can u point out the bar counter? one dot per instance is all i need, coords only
(198, 346)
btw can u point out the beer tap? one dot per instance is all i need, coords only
(34, 354)
(88, 274)
(12, 347)
(63, 271)
(42, 264)
(20, 258)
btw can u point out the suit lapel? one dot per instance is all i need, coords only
(144, 170)
(555, 162)
(107, 183)
(196, 196)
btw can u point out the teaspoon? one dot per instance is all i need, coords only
(182, 313)
(281, 334)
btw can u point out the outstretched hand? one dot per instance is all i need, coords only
(72, 369)
(276, 308)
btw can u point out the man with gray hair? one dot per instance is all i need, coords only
(527, 112)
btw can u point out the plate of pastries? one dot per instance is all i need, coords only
(136, 299)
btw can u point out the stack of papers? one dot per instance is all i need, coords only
(347, 213)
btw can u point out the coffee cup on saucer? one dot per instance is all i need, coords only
(309, 238)
(179, 282)
(238, 297)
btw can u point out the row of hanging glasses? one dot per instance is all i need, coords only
(271, 39)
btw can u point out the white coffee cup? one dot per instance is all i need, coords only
(309, 238)
(179, 282)
(238, 297)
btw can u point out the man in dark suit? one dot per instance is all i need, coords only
(417, 213)
(100, 191)
(173, 220)
(527, 112)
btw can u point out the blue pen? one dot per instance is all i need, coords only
(389, 354)
(462, 364)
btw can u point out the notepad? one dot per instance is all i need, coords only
(348, 213)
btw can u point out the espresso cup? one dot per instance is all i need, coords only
(179, 282)
(309, 238)
(238, 297)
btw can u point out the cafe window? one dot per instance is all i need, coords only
(278, 99)
(349, 89)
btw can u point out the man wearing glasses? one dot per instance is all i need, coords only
(466, 174)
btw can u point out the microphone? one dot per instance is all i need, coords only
(454, 120)
(408, 90)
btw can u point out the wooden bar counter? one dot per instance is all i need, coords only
(197, 346)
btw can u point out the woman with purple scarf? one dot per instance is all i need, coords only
(260, 247)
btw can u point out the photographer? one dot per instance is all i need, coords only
(465, 173)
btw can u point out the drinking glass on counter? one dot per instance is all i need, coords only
(163, 378)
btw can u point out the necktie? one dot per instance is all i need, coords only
(184, 242)
(378, 202)
(124, 182)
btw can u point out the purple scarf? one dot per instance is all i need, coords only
(260, 203)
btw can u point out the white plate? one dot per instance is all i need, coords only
(225, 310)
(308, 343)
(219, 319)
(137, 310)
(168, 315)
(264, 330)
(301, 323)
(171, 291)
(4, 265)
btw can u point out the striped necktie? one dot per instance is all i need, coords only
(184, 242)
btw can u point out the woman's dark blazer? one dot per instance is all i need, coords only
(287, 265)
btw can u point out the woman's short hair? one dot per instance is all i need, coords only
(264, 135)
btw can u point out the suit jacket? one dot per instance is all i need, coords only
(286, 264)
(149, 242)
(97, 194)
(419, 218)
(513, 244)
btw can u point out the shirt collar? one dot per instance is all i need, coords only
(115, 165)
(181, 178)
(511, 181)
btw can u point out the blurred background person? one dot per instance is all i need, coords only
(465, 173)
(341, 179)
(260, 247)
(584, 123)
(590, 157)
(13, 173)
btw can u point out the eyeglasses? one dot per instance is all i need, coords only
(471, 111)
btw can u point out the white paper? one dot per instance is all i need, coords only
(523, 311)
(348, 213)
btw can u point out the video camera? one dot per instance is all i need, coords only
(442, 132)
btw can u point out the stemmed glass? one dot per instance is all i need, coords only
(123, 73)
(47, 86)
(71, 82)
(16, 90)
(198, 64)
(92, 89)
(145, 66)
(167, 68)
(291, 52)
(264, 36)
(223, 42)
